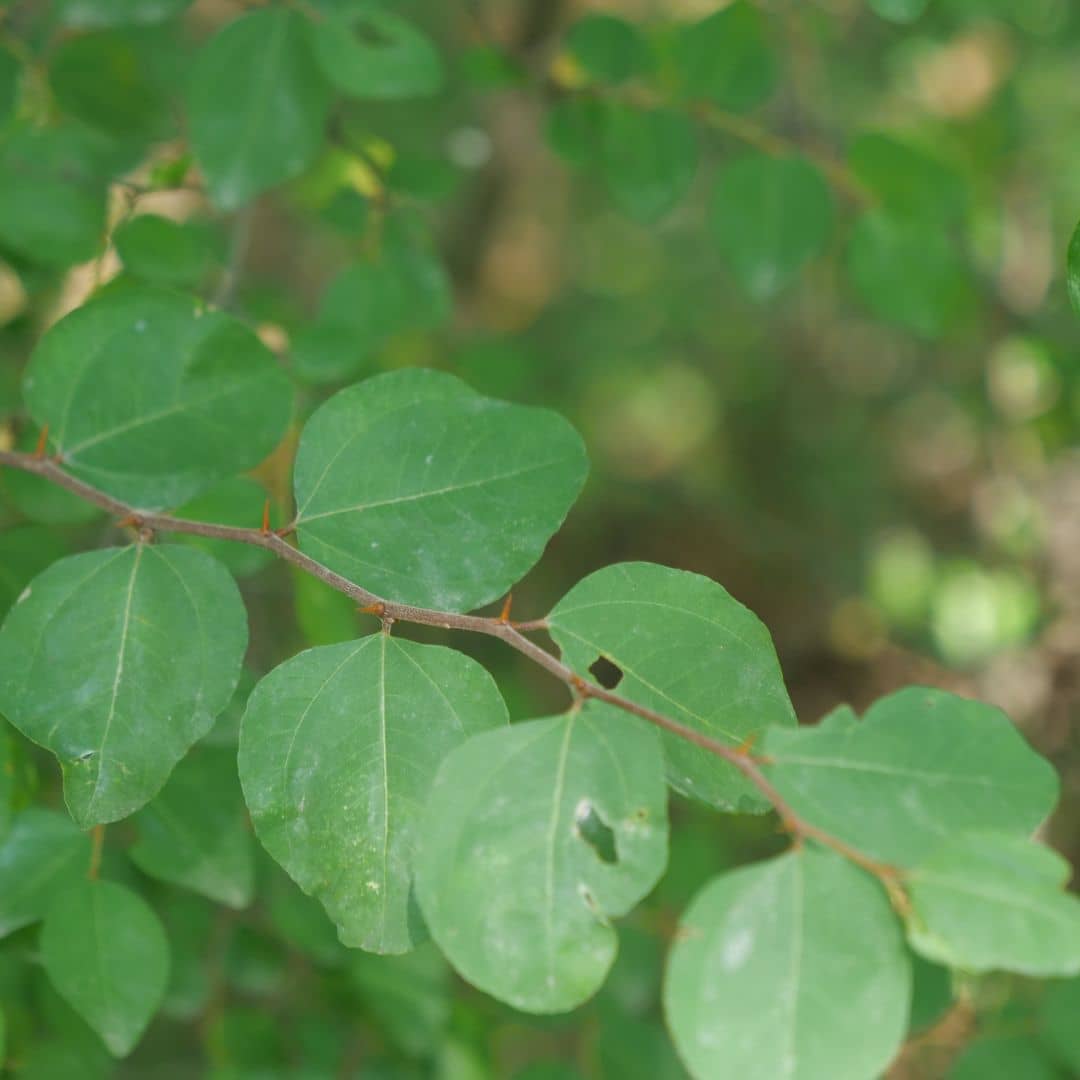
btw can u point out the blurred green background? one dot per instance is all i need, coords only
(877, 449)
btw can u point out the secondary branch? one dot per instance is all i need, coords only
(501, 627)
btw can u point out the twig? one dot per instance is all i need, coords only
(513, 634)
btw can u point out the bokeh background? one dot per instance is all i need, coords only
(880, 456)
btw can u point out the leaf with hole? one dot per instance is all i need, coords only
(920, 765)
(987, 901)
(338, 749)
(194, 832)
(377, 54)
(687, 649)
(791, 968)
(771, 216)
(116, 661)
(263, 66)
(154, 399)
(477, 488)
(106, 953)
(516, 892)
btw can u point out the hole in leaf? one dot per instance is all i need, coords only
(592, 828)
(368, 33)
(607, 674)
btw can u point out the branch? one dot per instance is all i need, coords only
(501, 627)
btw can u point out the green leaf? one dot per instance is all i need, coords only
(408, 996)
(1004, 1057)
(326, 353)
(52, 197)
(376, 54)
(607, 47)
(43, 855)
(477, 488)
(908, 182)
(791, 968)
(189, 926)
(771, 216)
(24, 553)
(1072, 270)
(986, 901)
(338, 749)
(727, 59)
(237, 501)
(633, 1048)
(687, 649)
(921, 765)
(92, 14)
(898, 11)
(906, 272)
(257, 103)
(931, 993)
(513, 891)
(649, 158)
(301, 921)
(107, 80)
(1058, 1011)
(106, 953)
(194, 833)
(10, 74)
(403, 289)
(117, 661)
(167, 252)
(7, 781)
(155, 399)
(575, 129)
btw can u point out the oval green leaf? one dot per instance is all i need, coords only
(153, 398)
(649, 158)
(919, 766)
(726, 58)
(907, 272)
(534, 838)
(194, 833)
(116, 661)
(377, 54)
(106, 953)
(771, 216)
(338, 750)
(477, 488)
(794, 969)
(687, 649)
(262, 66)
(987, 901)
(43, 855)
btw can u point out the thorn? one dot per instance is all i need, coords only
(578, 684)
(747, 744)
(504, 615)
(42, 442)
(132, 521)
(265, 530)
(378, 608)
